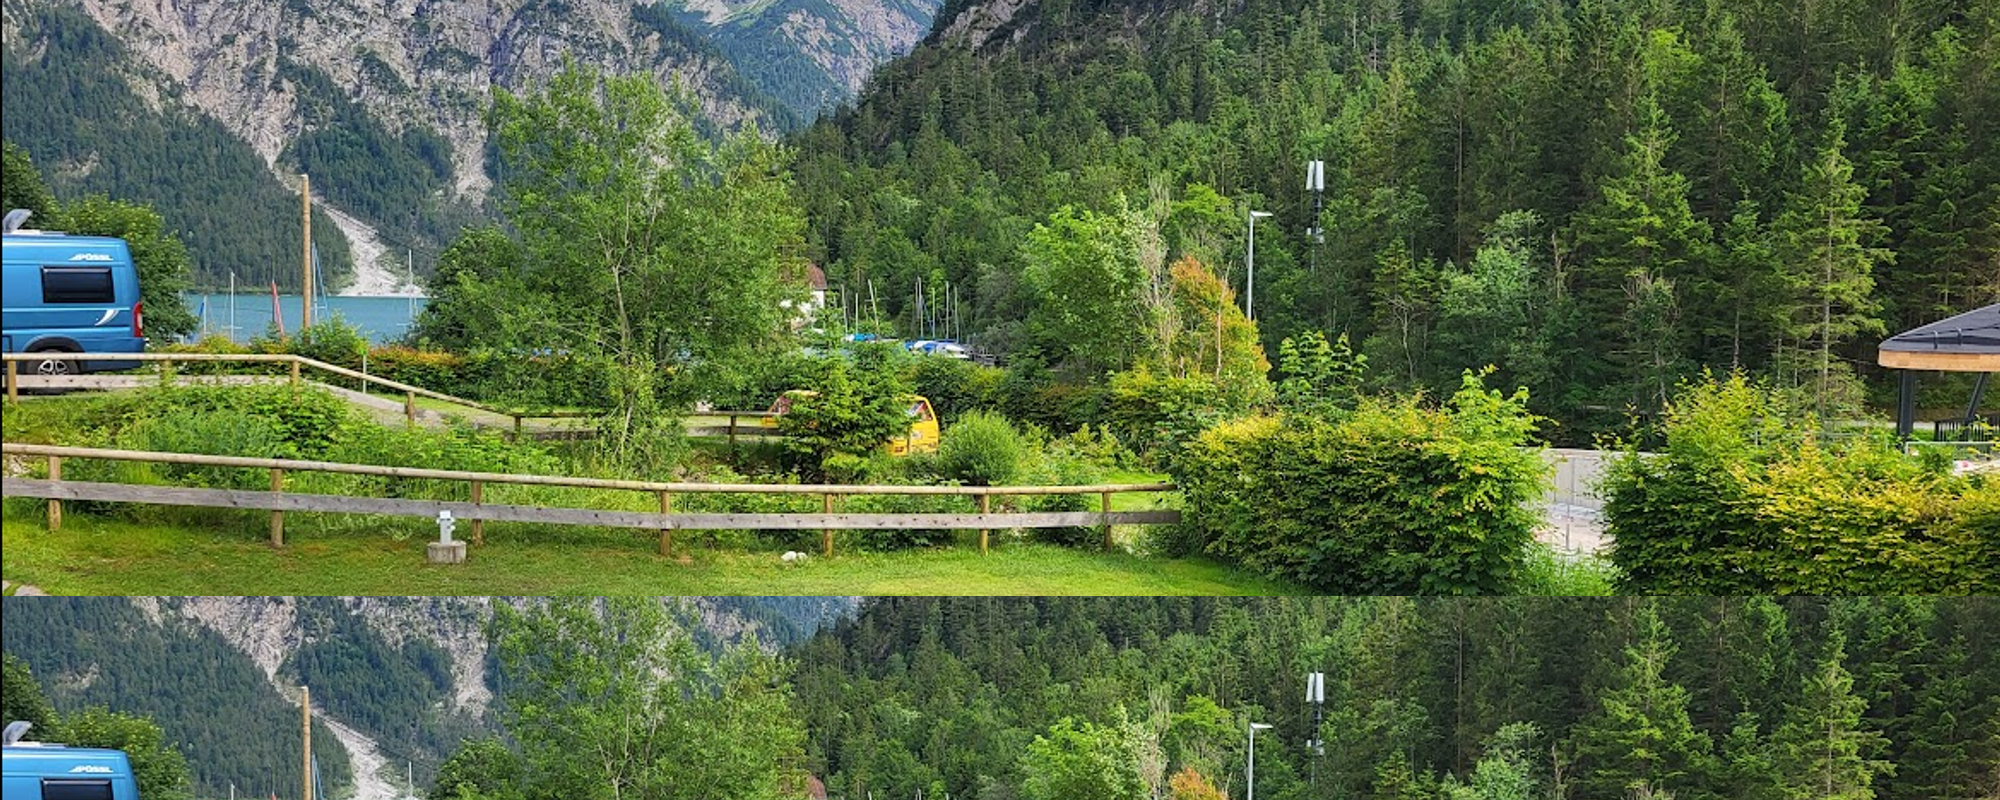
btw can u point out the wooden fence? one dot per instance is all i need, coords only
(664, 522)
(297, 364)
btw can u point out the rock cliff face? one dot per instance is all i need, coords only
(809, 54)
(430, 63)
(263, 69)
(269, 630)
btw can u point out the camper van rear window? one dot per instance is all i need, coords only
(76, 789)
(77, 285)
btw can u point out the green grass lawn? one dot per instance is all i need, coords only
(226, 553)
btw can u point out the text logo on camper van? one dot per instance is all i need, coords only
(94, 769)
(91, 257)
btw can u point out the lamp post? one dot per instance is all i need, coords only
(1251, 772)
(1250, 266)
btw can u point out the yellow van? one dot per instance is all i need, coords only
(922, 437)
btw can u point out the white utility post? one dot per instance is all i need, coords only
(1250, 266)
(1251, 772)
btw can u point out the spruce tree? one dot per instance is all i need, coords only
(1640, 241)
(1641, 741)
(1827, 246)
(1824, 750)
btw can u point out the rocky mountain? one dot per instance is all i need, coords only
(397, 681)
(810, 54)
(383, 102)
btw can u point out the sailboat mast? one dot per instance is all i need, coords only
(306, 252)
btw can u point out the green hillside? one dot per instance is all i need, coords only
(71, 105)
(1599, 198)
(1425, 699)
(210, 700)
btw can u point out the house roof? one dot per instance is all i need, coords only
(1969, 342)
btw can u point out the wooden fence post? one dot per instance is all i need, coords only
(55, 506)
(826, 534)
(478, 525)
(410, 407)
(517, 427)
(278, 517)
(985, 506)
(732, 433)
(1107, 521)
(13, 383)
(295, 376)
(666, 530)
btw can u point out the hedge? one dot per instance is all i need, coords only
(1390, 498)
(1744, 499)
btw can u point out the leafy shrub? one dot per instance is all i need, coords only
(428, 369)
(1552, 574)
(902, 538)
(761, 380)
(1032, 395)
(753, 503)
(220, 432)
(982, 449)
(1319, 375)
(1098, 447)
(1390, 499)
(955, 387)
(1057, 470)
(1742, 499)
(539, 380)
(306, 420)
(331, 340)
(1159, 415)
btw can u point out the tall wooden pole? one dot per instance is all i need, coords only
(305, 716)
(306, 252)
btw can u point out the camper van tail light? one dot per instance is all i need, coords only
(139, 319)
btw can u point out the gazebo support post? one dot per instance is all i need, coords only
(1906, 404)
(1978, 396)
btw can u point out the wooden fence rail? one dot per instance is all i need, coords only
(166, 360)
(277, 501)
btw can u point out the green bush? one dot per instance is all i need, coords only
(1056, 469)
(331, 340)
(221, 432)
(982, 449)
(905, 538)
(1742, 499)
(1032, 395)
(955, 387)
(1392, 498)
(427, 369)
(1158, 415)
(1552, 574)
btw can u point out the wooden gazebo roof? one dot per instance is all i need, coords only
(1969, 342)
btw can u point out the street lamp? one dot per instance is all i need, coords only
(1251, 773)
(1250, 265)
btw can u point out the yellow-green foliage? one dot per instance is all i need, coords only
(1744, 501)
(1391, 498)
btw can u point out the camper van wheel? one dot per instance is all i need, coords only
(54, 366)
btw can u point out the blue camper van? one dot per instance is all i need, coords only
(69, 294)
(37, 771)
